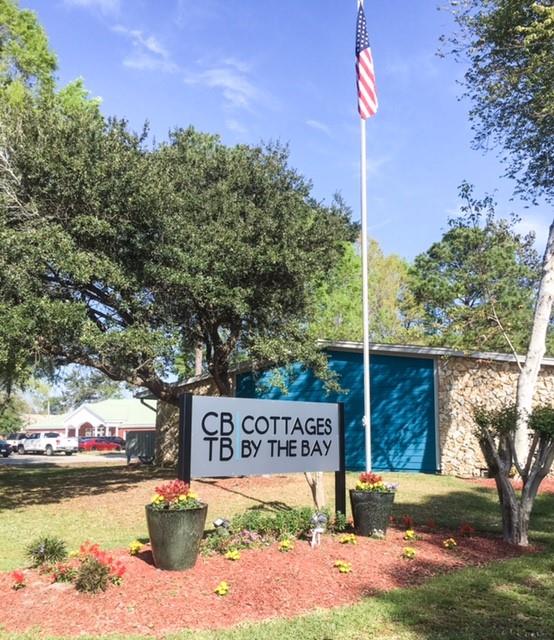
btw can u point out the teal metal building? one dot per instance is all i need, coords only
(404, 403)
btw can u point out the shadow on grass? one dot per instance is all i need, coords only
(506, 600)
(477, 506)
(45, 485)
(269, 505)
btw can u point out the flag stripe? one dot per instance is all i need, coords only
(365, 72)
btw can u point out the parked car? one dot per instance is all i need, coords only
(5, 448)
(48, 443)
(100, 443)
(119, 441)
(14, 439)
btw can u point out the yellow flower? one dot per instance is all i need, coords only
(410, 535)
(222, 588)
(449, 543)
(348, 538)
(232, 554)
(343, 566)
(157, 498)
(192, 495)
(286, 545)
(135, 547)
(409, 553)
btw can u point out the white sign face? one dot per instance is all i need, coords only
(239, 436)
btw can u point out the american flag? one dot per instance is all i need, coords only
(365, 74)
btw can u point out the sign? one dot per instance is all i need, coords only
(240, 436)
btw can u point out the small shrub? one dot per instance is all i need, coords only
(222, 588)
(348, 538)
(93, 576)
(339, 523)
(343, 566)
(409, 553)
(410, 534)
(449, 543)
(232, 554)
(18, 580)
(46, 550)
(135, 547)
(286, 545)
(63, 572)
(292, 522)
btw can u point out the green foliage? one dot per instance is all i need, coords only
(93, 576)
(121, 257)
(499, 422)
(26, 61)
(282, 524)
(507, 46)
(477, 285)
(46, 550)
(392, 316)
(12, 408)
(541, 421)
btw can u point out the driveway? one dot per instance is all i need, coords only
(30, 459)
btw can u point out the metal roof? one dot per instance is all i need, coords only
(416, 350)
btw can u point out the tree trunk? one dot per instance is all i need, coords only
(198, 359)
(317, 487)
(537, 347)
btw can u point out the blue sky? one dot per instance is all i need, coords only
(254, 70)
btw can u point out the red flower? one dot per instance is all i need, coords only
(408, 521)
(18, 578)
(170, 491)
(370, 478)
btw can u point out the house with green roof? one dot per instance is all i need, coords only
(104, 418)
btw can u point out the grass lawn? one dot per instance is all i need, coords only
(511, 599)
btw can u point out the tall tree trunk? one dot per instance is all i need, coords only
(537, 347)
(317, 487)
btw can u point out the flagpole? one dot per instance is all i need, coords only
(365, 296)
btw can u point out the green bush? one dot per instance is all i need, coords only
(291, 522)
(46, 550)
(92, 576)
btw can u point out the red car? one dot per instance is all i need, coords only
(98, 444)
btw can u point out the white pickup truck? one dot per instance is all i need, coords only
(48, 443)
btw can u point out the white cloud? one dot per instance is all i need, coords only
(148, 53)
(104, 6)
(315, 124)
(234, 83)
(235, 126)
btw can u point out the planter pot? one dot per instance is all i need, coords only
(371, 511)
(175, 536)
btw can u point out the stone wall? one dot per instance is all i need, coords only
(465, 383)
(167, 423)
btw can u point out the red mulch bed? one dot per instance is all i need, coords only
(264, 583)
(547, 485)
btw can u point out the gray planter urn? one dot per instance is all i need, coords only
(175, 536)
(371, 511)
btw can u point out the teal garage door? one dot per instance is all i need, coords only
(402, 414)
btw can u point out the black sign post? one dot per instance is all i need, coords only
(185, 450)
(340, 475)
